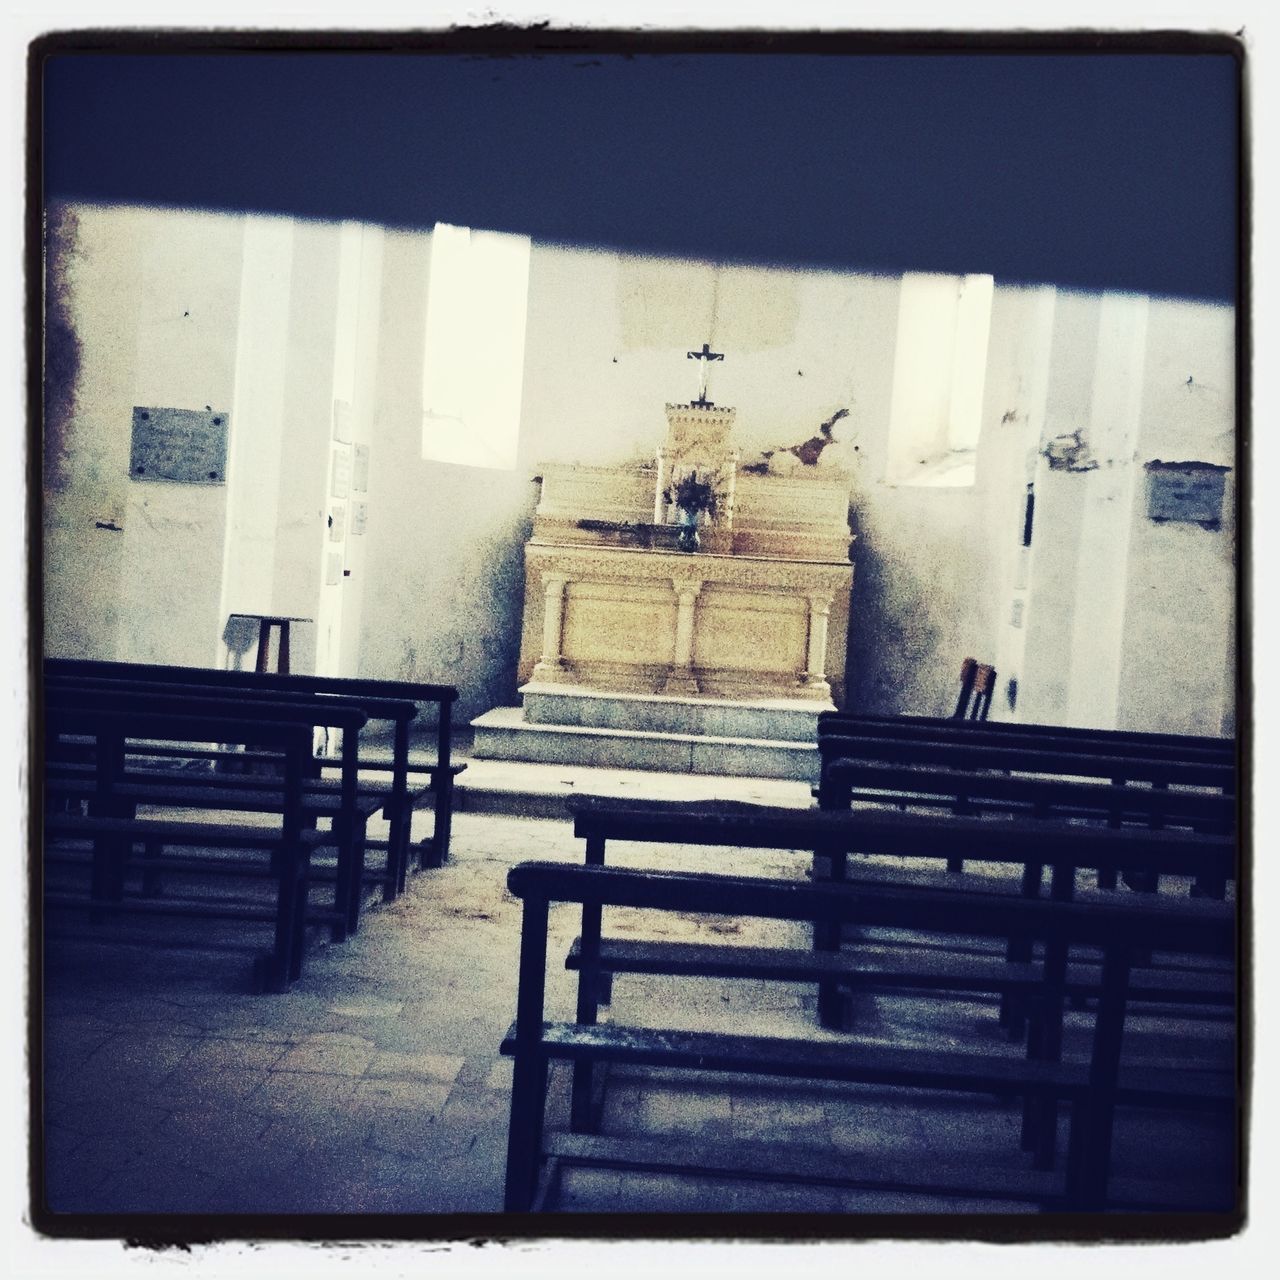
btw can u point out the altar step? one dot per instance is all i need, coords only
(768, 720)
(507, 733)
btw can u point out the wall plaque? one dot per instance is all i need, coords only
(181, 446)
(1186, 491)
(341, 486)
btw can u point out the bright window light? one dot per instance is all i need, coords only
(477, 297)
(939, 374)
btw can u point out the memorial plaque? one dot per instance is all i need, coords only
(341, 473)
(359, 518)
(337, 522)
(333, 569)
(1186, 491)
(360, 475)
(181, 446)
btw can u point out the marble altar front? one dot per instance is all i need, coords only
(759, 611)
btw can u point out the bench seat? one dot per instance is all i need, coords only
(860, 1062)
(911, 969)
(865, 1171)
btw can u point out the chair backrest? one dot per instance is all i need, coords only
(977, 684)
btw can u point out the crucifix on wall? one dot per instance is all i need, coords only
(705, 357)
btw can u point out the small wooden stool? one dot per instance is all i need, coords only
(266, 623)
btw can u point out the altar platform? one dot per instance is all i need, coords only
(557, 724)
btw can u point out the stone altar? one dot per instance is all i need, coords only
(638, 654)
(760, 611)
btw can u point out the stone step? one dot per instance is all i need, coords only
(764, 719)
(535, 790)
(505, 734)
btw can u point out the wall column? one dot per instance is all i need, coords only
(681, 678)
(815, 678)
(551, 665)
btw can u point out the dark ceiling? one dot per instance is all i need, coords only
(1079, 163)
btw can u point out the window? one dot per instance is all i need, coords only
(473, 370)
(938, 377)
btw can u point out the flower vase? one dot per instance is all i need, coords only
(689, 539)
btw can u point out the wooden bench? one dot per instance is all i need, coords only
(829, 837)
(1050, 758)
(1093, 1090)
(993, 732)
(343, 803)
(850, 781)
(439, 775)
(114, 831)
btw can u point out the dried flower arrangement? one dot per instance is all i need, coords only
(692, 494)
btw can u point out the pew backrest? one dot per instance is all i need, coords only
(1016, 839)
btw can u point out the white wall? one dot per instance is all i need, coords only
(445, 542)
(1129, 620)
(154, 299)
(1106, 619)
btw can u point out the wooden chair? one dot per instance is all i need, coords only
(977, 684)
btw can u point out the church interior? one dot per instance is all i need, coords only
(544, 728)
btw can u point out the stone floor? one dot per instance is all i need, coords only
(375, 1086)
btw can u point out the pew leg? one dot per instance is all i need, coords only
(1040, 1112)
(435, 852)
(397, 849)
(280, 962)
(1075, 1154)
(524, 1134)
(152, 851)
(832, 998)
(302, 893)
(1013, 1014)
(582, 1090)
(1098, 1115)
(355, 879)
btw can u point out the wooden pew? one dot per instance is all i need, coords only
(1093, 1090)
(1030, 757)
(439, 775)
(1102, 741)
(829, 837)
(244, 766)
(114, 831)
(344, 803)
(1050, 757)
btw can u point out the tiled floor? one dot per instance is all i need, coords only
(376, 1087)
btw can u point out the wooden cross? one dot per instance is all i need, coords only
(706, 355)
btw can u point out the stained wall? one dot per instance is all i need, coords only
(1105, 618)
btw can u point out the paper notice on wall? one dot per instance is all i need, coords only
(360, 476)
(333, 569)
(342, 421)
(359, 518)
(341, 485)
(337, 522)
